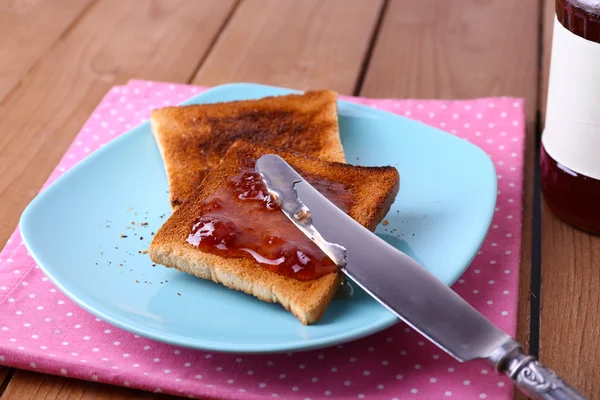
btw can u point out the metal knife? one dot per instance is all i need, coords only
(399, 283)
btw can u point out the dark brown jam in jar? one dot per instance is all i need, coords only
(570, 155)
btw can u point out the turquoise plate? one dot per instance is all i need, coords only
(440, 218)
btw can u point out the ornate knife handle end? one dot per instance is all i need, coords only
(535, 380)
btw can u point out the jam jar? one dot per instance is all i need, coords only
(570, 153)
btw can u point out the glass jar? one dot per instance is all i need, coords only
(570, 154)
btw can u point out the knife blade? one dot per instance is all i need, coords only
(403, 286)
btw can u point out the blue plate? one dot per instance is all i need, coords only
(440, 218)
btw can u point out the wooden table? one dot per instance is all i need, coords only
(59, 57)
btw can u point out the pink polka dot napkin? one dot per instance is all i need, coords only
(42, 330)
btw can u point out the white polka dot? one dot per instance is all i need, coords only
(432, 380)
(95, 349)
(403, 353)
(86, 338)
(107, 331)
(187, 364)
(482, 396)
(230, 381)
(491, 282)
(146, 347)
(295, 388)
(198, 376)
(504, 313)
(95, 377)
(501, 384)
(334, 369)
(34, 336)
(347, 383)
(74, 354)
(301, 366)
(2, 287)
(406, 330)
(40, 308)
(157, 360)
(43, 347)
(455, 116)
(477, 271)
(475, 291)
(321, 356)
(413, 390)
(380, 386)
(281, 376)
(167, 371)
(421, 343)
(448, 393)
(63, 371)
(450, 369)
(490, 302)
(117, 343)
(65, 343)
(506, 292)
(484, 371)
(126, 355)
(417, 366)
(126, 383)
(384, 363)
(16, 271)
(366, 373)
(136, 365)
(352, 359)
(19, 312)
(250, 372)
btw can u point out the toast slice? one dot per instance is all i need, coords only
(193, 139)
(371, 192)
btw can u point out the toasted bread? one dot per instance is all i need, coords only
(193, 139)
(373, 190)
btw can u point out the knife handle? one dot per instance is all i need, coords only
(537, 381)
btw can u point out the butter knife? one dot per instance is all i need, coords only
(403, 286)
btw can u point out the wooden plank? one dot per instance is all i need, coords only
(300, 44)
(465, 49)
(570, 316)
(21, 44)
(113, 42)
(547, 28)
(30, 385)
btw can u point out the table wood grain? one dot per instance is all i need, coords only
(50, 82)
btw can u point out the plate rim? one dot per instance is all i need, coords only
(223, 347)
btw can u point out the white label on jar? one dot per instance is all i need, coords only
(572, 132)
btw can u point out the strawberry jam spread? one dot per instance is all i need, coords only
(241, 220)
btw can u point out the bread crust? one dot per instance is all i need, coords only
(373, 190)
(193, 139)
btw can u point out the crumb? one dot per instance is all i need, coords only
(144, 251)
(141, 238)
(385, 230)
(150, 283)
(96, 263)
(161, 283)
(134, 213)
(108, 226)
(413, 234)
(137, 281)
(101, 252)
(122, 236)
(398, 235)
(152, 233)
(178, 294)
(145, 281)
(386, 222)
(120, 265)
(127, 227)
(144, 224)
(116, 247)
(130, 208)
(154, 265)
(108, 221)
(222, 293)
